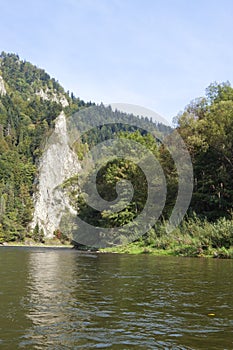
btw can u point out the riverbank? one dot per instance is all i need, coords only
(182, 251)
(137, 248)
(31, 243)
(192, 238)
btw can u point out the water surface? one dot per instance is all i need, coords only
(63, 299)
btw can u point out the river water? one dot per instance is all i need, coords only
(63, 299)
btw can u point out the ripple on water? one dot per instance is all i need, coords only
(59, 299)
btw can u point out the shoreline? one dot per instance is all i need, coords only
(189, 251)
(35, 245)
(130, 249)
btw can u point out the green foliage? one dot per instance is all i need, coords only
(207, 128)
(25, 121)
(109, 175)
(193, 238)
(38, 234)
(25, 77)
(206, 125)
(104, 117)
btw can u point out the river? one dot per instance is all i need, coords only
(55, 298)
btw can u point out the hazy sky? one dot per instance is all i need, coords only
(159, 54)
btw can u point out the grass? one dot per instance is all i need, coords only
(193, 238)
(31, 243)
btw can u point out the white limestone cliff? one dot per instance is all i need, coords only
(2, 87)
(57, 164)
(52, 96)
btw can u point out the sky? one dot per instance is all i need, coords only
(159, 54)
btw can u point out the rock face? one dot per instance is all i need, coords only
(2, 87)
(57, 164)
(48, 96)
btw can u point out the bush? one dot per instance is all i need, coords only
(222, 234)
(38, 234)
(193, 237)
(223, 253)
(61, 236)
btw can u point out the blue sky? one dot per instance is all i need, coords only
(159, 54)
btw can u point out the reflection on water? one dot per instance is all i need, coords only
(66, 300)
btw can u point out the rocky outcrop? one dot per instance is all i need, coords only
(2, 87)
(52, 96)
(57, 164)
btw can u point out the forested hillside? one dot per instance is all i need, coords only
(206, 126)
(30, 101)
(207, 129)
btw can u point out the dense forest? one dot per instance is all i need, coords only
(206, 126)
(30, 102)
(26, 119)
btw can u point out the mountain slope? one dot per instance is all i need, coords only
(30, 103)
